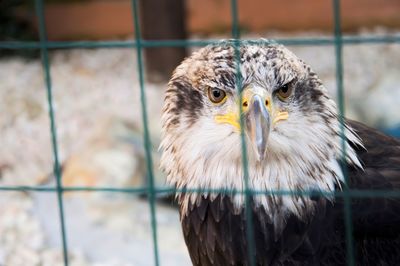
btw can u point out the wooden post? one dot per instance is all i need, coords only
(162, 20)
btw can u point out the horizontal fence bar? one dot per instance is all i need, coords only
(76, 189)
(354, 193)
(319, 41)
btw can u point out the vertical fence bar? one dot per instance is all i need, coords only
(339, 80)
(146, 134)
(56, 168)
(238, 81)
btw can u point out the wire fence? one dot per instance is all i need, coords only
(337, 40)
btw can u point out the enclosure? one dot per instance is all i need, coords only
(80, 126)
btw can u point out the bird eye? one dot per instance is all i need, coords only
(284, 91)
(216, 95)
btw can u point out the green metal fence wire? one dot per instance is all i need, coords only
(150, 189)
(316, 41)
(146, 134)
(56, 166)
(339, 81)
(238, 82)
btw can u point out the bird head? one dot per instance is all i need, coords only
(289, 122)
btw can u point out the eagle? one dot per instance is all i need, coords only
(296, 141)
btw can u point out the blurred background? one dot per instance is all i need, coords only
(96, 97)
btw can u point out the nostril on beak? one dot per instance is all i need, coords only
(266, 102)
(245, 104)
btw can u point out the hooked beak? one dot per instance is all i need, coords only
(258, 123)
(259, 116)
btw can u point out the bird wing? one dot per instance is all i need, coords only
(376, 216)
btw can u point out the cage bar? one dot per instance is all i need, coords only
(247, 189)
(317, 41)
(56, 168)
(339, 81)
(146, 133)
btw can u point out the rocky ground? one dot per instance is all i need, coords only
(96, 99)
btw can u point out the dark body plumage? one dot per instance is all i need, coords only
(216, 234)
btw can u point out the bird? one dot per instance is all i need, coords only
(261, 97)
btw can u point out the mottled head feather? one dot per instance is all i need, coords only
(302, 151)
